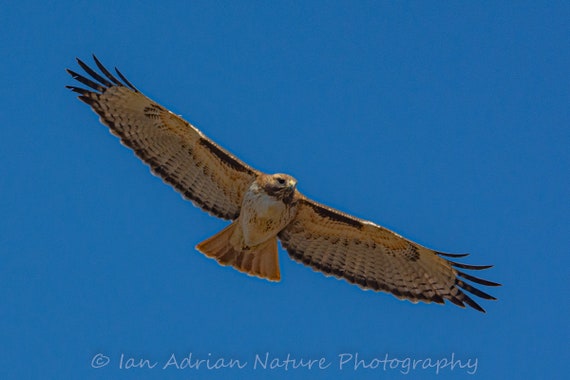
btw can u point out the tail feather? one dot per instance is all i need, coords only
(227, 248)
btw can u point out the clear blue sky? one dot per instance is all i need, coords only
(447, 123)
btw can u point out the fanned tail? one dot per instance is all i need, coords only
(227, 248)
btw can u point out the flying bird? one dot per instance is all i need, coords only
(265, 208)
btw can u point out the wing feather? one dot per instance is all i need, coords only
(376, 258)
(175, 150)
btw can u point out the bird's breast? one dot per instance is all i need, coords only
(262, 217)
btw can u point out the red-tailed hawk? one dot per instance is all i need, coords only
(264, 208)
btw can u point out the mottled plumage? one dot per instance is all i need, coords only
(264, 208)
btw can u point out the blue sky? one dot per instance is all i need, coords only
(447, 123)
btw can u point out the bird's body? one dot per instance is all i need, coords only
(265, 208)
(268, 207)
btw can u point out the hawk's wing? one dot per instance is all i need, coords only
(175, 150)
(376, 258)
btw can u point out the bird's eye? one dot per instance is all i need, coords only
(281, 181)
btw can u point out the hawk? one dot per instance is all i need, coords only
(265, 208)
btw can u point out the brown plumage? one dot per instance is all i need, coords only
(264, 208)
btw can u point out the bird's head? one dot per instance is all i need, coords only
(281, 186)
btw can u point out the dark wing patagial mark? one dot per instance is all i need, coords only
(333, 215)
(225, 157)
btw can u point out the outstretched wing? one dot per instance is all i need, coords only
(176, 151)
(376, 258)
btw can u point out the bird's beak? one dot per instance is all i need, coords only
(292, 184)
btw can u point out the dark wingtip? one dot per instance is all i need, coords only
(88, 82)
(95, 75)
(476, 306)
(469, 301)
(474, 290)
(471, 267)
(107, 80)
(126, 80)
(461, 298)
(457, 302)
(106, 72)
(455, 255)
(437, 299)
(79, 90)
(477, 279)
